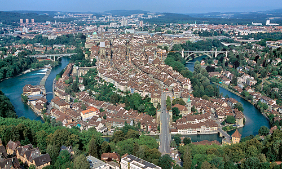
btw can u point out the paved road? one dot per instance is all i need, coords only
(165, 135)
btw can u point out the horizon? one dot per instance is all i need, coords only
(156, 6)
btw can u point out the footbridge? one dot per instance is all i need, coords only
(52, 56)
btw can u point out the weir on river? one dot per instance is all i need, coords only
(13, 88)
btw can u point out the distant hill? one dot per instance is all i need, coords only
(220, 18)
(13, 18)
(125, 12)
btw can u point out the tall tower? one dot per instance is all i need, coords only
(189, 105)
(27, 20)
(102, 50)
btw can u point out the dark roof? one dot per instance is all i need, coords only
(9, 163)
(69, 149)
(13, 145)
(41, 160)
(3, 152)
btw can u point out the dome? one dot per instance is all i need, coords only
(94, 33)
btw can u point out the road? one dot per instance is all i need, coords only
(165, 134)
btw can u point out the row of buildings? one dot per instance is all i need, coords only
(27, 154)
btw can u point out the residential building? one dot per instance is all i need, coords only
(132, 162)
(236, 137)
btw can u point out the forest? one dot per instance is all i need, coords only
(12, 66)
(259, 151)
(50, 136)
(7, 110)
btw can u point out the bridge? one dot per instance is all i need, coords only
(52, 55)
(223, 133)
(211, 54)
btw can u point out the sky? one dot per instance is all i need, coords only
(173, 6)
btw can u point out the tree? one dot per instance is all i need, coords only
(252, 163)
(229, 165)
(178, 101)
(81, 162)
(230, 119)
(118, 136)
(93, 148)
(41, 140)
(186, 140)
(175, 113)
(32, 167)
(205, 97)
(53, 152)
(239, 106)
(83, 107)
(168, 103)
(263, 131)
(187, 158)
(234, 80)
(105, 147)
(165, 162)
(173, 144)
(63, 160)
(177, 139)
(206, 165)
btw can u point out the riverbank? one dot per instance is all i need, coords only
(238, 94)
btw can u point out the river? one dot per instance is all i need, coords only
(254, 119)
(13, 88)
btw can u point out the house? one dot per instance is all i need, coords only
(132, 162)
(89, 113)
(59, 103)
(3, 153)
(11, 147)
(42, 161)
(236, 137)
(113, 165)
(31, 90)
(9, 163)
(110, 157)
(95, 163)
(69, 149)
(183, 109)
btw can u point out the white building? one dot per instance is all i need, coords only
(132, 162)
(96, 163)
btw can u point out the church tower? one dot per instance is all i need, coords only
(189, 106)
(102, 49)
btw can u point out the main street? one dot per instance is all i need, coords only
(165, 134)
